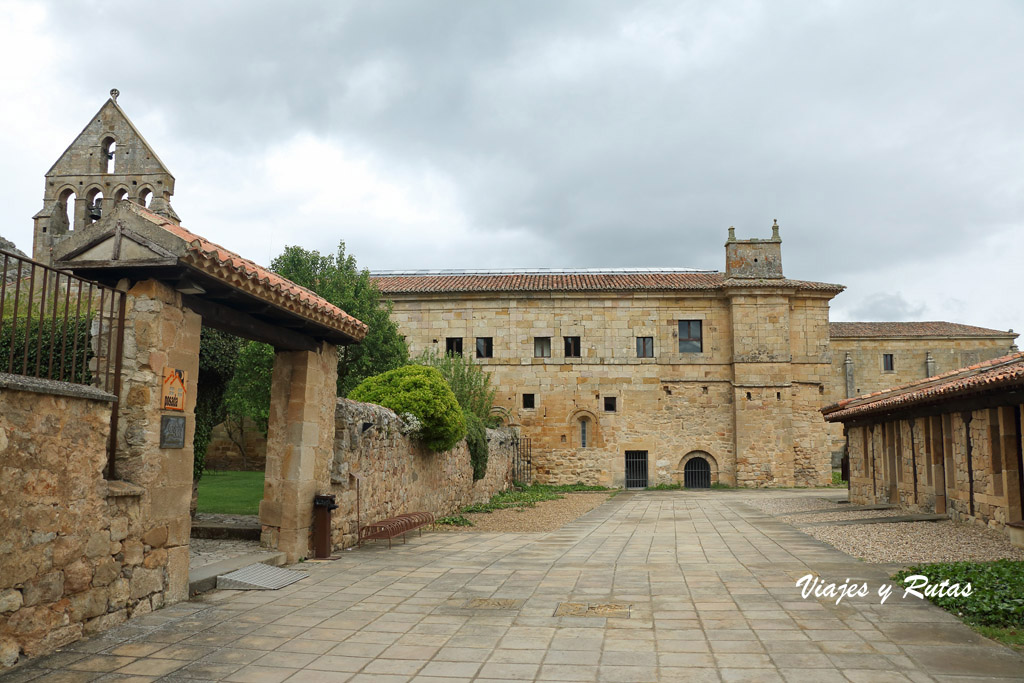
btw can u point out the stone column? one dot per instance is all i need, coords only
(159, 333)
(300, 446)
(929, 365)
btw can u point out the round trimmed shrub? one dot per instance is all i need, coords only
(422, 391)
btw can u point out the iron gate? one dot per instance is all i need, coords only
(636, 469)
(522, 461)
(697, 474)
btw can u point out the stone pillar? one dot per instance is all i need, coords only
(300, 446)
(929, 365)
(159, 333)
(1010, 442)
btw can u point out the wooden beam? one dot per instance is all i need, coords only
(242, 325)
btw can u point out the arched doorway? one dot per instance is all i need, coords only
(697, 473)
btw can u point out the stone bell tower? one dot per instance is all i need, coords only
(108, 162)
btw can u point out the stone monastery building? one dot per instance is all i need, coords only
(619, 377)
(644, 376)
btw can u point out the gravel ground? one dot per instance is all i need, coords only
(547, 515)
(896, 543)
(840, 515)
(913, 542)
(780, 505)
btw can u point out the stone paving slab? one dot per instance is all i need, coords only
(710, 583)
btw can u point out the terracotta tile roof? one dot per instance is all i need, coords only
(912, 329)
(246, 275)
(998, 373)
(577, 282)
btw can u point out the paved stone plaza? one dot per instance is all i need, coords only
(709, 581)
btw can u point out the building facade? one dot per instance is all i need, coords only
(869, 357)
(641, 377)
(623, 377)
(949, 444)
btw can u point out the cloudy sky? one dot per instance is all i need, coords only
(887, 138)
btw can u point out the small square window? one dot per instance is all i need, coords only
(572, 347)
(609, 404)
(484, 347)
(888, 363)
(645, 347)
(542, 347)
(528, 401)
(690, 336)
(453, 346)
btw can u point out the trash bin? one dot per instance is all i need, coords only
(322, 506)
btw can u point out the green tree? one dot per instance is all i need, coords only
(248, 392)
(337, 279)
(217, 354)
(471, 385)
(422, 391)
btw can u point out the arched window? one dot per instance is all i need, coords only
(67, 205)
(584, 432)
(110, 151)
(121, 195)
(94, 211)
(146, 197)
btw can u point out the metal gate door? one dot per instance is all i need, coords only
(522, 461)
(636, 469)
(697, 474)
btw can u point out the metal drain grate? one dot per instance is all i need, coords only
(259, 577)
(493, 603)
(587, 609)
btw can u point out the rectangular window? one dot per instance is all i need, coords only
(484, 347)
(528, 401)
(645, 347)
(888, 363)
(453, 346)
(690, 338)
(542, 347)
(609, 404)
(572, 347)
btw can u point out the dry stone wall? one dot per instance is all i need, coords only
(75, 554)
(397, 474)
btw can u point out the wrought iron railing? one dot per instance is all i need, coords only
(56, 325)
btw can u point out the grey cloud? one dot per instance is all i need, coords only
(874, 131)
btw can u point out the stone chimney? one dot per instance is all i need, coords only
(754, 259)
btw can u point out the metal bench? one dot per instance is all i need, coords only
(395, 526)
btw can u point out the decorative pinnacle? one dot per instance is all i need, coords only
(114, 93)
(775, 229)
(732, 234)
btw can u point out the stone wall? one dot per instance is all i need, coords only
(963, 463)
(396, 474)
(75, 554)
(223, 452)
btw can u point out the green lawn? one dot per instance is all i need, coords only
(230, 493)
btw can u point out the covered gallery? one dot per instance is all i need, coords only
(950, 443)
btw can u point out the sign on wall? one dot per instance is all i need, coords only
(174, 389)
(172, 431)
